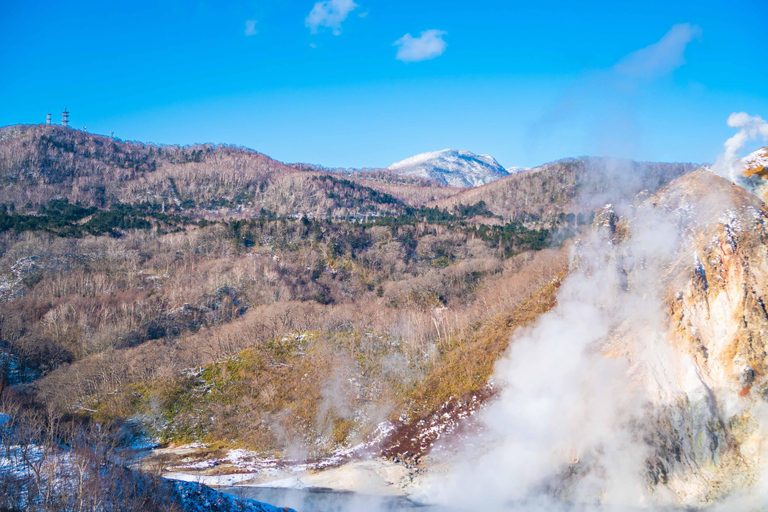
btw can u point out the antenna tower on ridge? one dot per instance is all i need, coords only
(47, 118)
(65, 117)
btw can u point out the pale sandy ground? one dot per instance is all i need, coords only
(377, 477)
(370, 485)
(241, 469)
(372, 477)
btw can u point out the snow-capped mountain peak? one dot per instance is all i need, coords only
(454, 167)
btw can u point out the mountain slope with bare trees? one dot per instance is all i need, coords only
(575, 186)
(211, 294)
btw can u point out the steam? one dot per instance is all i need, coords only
(565, 422)
(250, 28)
(662, 57)
(338, 396)
(750, 128)
(600, 108)
(594, 396)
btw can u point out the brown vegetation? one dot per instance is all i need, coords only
(264, 305)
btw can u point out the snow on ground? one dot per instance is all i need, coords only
(360, 468)
(240, 465)
(210, 480)
(59, 471)
(377, 477)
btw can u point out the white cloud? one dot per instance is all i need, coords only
(329, 14)
(600, 109)
(250, 28)
(661, 57)
(428, 45)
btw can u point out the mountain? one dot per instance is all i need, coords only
(703, 369)
(40, 163)
(453, 167)
(716, 331)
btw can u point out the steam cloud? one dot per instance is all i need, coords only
(750, 128)
(661, 57)
(250, 28)
(602, 105)
(564, 428)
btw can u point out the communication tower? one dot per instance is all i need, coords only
(65, 117)
(47, 118)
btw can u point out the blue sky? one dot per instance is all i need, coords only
(368, 82)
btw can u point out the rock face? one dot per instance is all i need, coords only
(755, 169)
(453, 167)
(704, 382)
(756, 163)
(709, 440)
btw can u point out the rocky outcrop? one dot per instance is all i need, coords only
(705, 425)
(754, 168)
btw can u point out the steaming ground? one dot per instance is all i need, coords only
(565, 424)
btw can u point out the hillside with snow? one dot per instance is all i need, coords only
(453, 167)
(754, 173)
(756, 163)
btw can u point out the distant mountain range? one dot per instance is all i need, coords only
(449, 167)
(454, 167)
(40, 163)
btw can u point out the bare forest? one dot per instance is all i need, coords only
(156, 294)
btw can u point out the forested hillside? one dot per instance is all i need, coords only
(211, 294)
(40, 163)
(567, 189)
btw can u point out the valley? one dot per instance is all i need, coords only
(208, 315)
